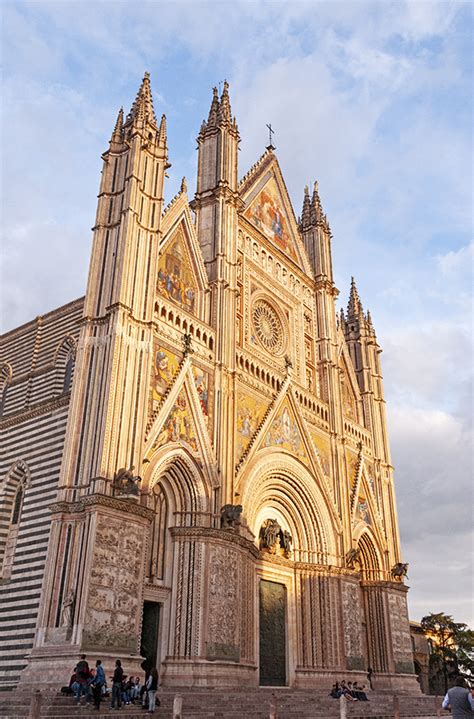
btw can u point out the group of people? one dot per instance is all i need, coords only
(92, 685)
(351, 691)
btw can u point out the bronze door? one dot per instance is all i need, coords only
(149, 638)
(272, 634)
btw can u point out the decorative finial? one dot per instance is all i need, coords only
(271, 132)
(184, 186)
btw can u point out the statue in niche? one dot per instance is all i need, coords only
(230, 516)
(67, 609)
(270, 536)
(399, 570)
(125, 482)
(286, 541)
(352, 558)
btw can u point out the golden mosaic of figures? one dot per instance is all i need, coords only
(250, 412)
(362, 510)
(175, 276)
(178, 426)
(165, 366)
(322, 450)
(349, 403)
(284, 433)
(267, 213)
(352, 461)
(201, 380)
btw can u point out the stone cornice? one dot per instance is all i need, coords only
(385, 584)
(92, 501)
(224, 535)
(44, 407)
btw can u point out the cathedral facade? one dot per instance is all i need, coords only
(196, 468)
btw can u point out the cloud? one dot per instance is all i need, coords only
(367, 97)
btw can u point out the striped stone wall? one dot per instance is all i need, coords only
(34, 402)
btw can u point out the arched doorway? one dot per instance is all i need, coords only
(180, 497)
(294, 530)
(373, 603)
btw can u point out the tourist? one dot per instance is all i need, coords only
(117, 685)
(97, 684)
(459, 699)
(359, 692)
(135, 693)
(152, 687)
(83, 675)
(127, 690)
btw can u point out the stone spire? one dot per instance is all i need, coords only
(213, 118)
(117, 132)
(317, 215)
(225, 113)
(354, 306)
(306, 212)
(162, 131)
(142, 109)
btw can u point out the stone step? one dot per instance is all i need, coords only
(217, 704)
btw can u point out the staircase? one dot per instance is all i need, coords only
(205, 703)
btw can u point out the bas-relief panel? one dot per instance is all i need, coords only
(224, 597)
(250, 412)
(113, 597)
(266, 212)
(402, 650)
(284, 433)
(165, 366)
(179, 425)
(351, 612)
(323, 451)
(176, 280)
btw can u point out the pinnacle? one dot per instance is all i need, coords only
(225, 114)
(117, 131)
(214, 110)
(162, 131)
(184, 185)
(354, 307)
(142, 108)
(306, 212)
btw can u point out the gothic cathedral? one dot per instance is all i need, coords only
(196, 469)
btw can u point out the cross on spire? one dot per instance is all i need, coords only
(271, 132)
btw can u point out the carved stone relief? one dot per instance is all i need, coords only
(352, 620)
(115, 578)
(223, 601)
(401, 642)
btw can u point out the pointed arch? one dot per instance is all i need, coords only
(280, 483)
(64, 361)
(180, 495)
(12, 495)
(370, 557)
(6, 374)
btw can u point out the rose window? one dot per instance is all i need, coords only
(268, 327)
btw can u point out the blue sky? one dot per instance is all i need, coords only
(373, 99)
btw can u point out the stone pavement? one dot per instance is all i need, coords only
(203, 703)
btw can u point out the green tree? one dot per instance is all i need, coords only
(452, 646)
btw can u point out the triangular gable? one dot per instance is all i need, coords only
(285, 429)
(268, 208)
(181, 271)
(285, 433)
(251, 410)
(350, 394)
(182, 419)
(363, 503)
